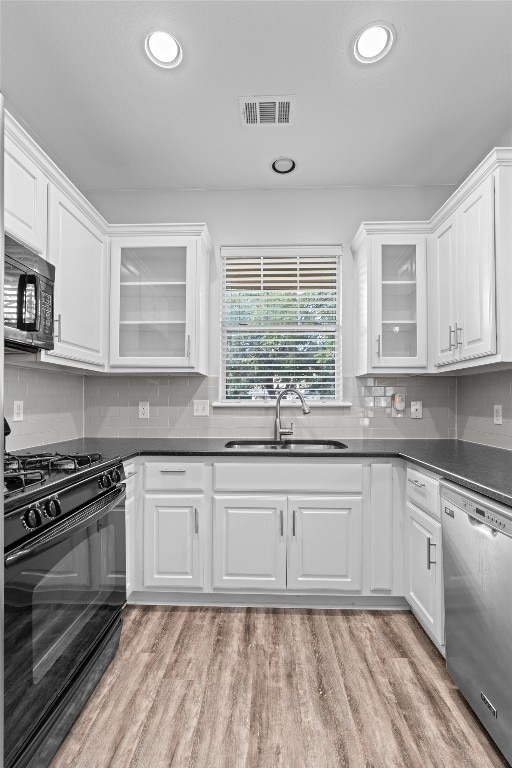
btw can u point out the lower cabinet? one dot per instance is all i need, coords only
(287, 542)
(423, 570)
(173, 545)
(249, 542)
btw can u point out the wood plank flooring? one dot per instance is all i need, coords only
(274, 688)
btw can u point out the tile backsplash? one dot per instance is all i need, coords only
(111, 409)
(53, 406)
(477, 395)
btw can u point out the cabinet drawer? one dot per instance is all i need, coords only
(344, 478)
(423, 491)
(170, 476)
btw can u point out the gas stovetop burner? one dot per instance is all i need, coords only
(16, 480)
(24, 470)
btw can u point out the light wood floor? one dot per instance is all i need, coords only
(262, 688)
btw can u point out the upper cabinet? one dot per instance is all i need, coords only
(392, 299)
(159, 298)
(78, 249)
(463, 296)
(459, 260)
(25, 204)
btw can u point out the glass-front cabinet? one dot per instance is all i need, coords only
(159, 302)
(399, 301)
(391, 297)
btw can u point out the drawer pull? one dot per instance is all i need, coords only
(132, 474)
(173, 471)
(416, 482)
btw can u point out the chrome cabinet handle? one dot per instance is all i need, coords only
(415, 482)
(429, 561)
(58, 335)
(458, 338)
(378, 345)
(281, 519)
(188, 345)
(453, 344)
(293, 523)
(196, 520)
(172, 471)
(132, 474)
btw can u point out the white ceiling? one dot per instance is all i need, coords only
(75, 71)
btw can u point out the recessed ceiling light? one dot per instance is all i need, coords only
(163, 49)
(283, 165)
(374, 41)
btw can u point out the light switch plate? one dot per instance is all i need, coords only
(416, 409)
(201, 407)
(143, 410)
(498, 414)
(18, 410)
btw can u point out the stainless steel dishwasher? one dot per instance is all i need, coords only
(477, 555)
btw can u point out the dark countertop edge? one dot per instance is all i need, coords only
(394, 451)
(465, 482)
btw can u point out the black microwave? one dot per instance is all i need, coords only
(28, 299)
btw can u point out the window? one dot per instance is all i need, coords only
(280, 323)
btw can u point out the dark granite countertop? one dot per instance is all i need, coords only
(478, 467)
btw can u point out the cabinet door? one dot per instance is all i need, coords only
(423, 570)
(476, 281)
(249, 542)
(399, 302)
(173, 547)
(325, 543)
(444, 292)
(153, 302)
(25, 198)
(77, 248)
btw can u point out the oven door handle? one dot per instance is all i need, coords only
(86, 516)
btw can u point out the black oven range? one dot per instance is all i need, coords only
(65, 589)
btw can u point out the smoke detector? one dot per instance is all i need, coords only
(267, 110)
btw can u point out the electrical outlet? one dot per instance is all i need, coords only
(143, 410)
(416, 409)
(498, 414)
(18, 410)
(201, 407)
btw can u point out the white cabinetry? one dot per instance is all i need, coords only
(25, 204)
(173, 528)
(422, 569)
(325, 543)
(172, 541)
(78, 249)
(392, 298)
(159, 298)
(463, 299)
(423, 575)
(249, 542)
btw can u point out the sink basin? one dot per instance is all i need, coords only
(285, 445)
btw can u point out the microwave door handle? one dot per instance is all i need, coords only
(22, 322)
(64, 530)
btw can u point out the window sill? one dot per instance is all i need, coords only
(284, 404)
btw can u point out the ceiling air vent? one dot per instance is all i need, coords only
(267, 110)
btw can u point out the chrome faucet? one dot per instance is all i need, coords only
(279, 431)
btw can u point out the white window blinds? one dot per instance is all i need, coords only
(280, 323)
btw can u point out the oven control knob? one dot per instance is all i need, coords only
(116, 476)
(32, 518)
(105, 481)
(53, 508)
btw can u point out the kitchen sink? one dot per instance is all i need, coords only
(285, 445)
